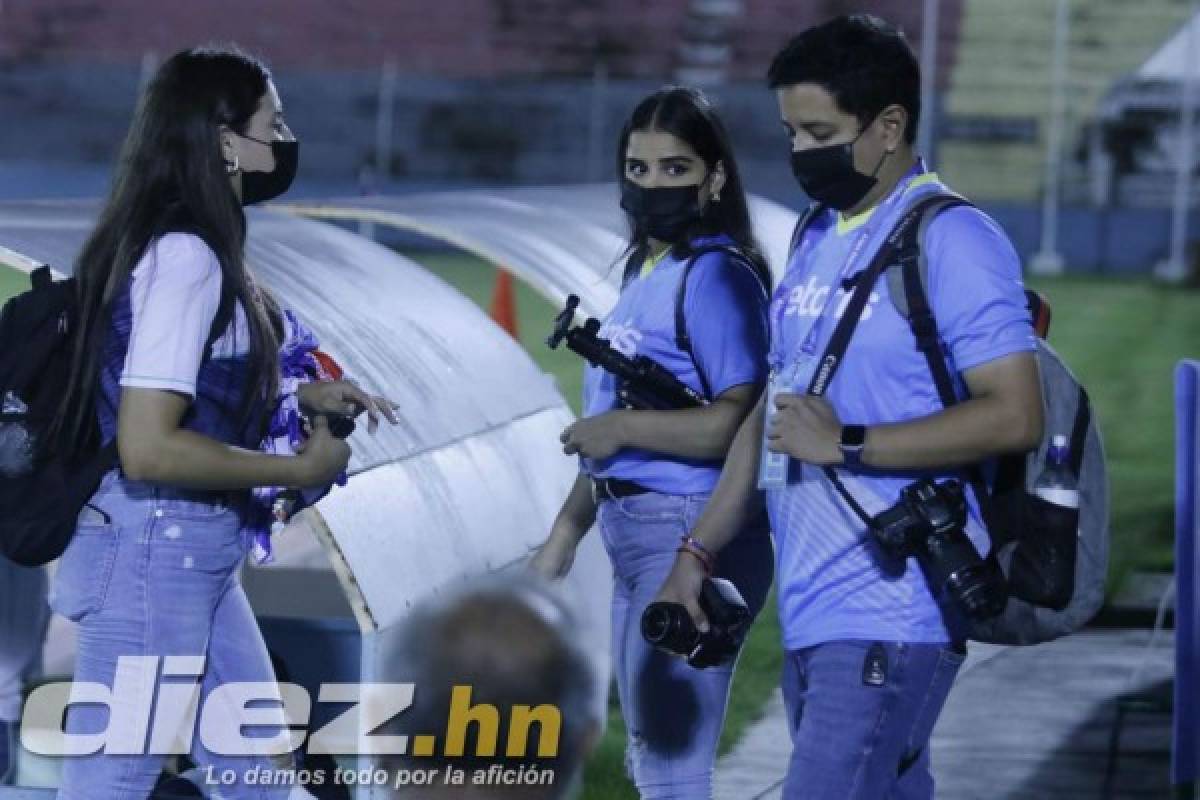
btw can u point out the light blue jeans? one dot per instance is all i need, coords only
(159, 578)
(673, 713)
(861, 714)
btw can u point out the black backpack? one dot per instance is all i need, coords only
(41, 490)
(41, 493)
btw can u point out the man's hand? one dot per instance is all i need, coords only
(346, 398)
(597, 437)
(806, 428)
(683, 587)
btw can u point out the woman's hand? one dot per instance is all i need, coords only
(554, 558)
(806, 428)
(683, 587)
(321, 457)
(597, 437)
(346, 398)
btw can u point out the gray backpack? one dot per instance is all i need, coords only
(1055, 562)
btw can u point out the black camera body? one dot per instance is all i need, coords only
(929, 522)
(668, 626)
(340, 425)
(642, 383)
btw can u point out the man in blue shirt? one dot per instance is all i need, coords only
(870, 653)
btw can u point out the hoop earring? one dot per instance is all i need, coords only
(235, 167)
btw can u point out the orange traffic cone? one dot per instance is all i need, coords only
(504, 302)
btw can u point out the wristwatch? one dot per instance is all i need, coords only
(853, 441)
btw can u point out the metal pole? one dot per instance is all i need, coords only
(1049, 261)
(384, 123)
(385, 119)
(929, 42)
(1175, 268)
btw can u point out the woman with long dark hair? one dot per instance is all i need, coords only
(179, 361)
(646, 475)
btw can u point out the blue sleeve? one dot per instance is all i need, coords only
(975, 289)
(726, 313)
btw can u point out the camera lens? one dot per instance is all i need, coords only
(669, 626)
(656, 623)
(979, 590)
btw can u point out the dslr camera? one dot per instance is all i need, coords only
(668, 626)
(929, 522)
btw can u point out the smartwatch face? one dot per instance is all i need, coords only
(854, 436)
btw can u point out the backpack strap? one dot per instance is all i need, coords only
(912, 301)
(682, 339)
(896, 281)
(1079, 431)
(908, 288)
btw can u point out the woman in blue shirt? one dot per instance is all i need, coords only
(646, 475)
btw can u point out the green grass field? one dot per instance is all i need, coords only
(12, 282)
(1121, 338)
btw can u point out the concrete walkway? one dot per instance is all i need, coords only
(1022, 722)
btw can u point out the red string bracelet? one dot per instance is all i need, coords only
(696, 549)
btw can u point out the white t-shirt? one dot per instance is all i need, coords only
(174, 296)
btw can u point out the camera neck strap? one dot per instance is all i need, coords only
(900, 248)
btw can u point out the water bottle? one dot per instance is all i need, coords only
(1047, 578)
(1057, 484)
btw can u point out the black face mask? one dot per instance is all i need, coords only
(665, 212)
(827, 175)
(258, 187)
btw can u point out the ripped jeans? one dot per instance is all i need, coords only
(152, 572)
(673, 713)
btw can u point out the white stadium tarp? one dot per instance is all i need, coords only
(560, 240)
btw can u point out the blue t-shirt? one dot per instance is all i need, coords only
(726, 312)
(831, 585)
